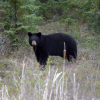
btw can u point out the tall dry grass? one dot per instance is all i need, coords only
(76, 82)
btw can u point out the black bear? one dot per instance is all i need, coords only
(52, 44)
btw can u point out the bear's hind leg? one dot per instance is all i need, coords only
(75, 55)
(68, 57)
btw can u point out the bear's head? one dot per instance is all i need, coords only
(34, 39)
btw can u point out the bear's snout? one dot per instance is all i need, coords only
(34, 43)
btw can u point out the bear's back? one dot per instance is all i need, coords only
(60, 37)
(55, 43)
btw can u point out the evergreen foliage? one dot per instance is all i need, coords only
(18, 18)
(87, 11)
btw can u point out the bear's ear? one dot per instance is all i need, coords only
(39, 34)
(30, 34)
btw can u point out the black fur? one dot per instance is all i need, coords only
(53, 44)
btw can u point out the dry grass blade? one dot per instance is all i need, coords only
(56, 75)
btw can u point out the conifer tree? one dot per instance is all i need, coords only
(18, 17)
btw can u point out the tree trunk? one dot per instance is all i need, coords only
(15, 14)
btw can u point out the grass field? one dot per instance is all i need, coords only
(21, 78)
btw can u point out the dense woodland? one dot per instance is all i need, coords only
(17, 17)
(20, 76)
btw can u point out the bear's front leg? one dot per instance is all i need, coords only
(43, 59)
(37, 54)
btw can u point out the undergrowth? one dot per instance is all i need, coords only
(76, 81)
